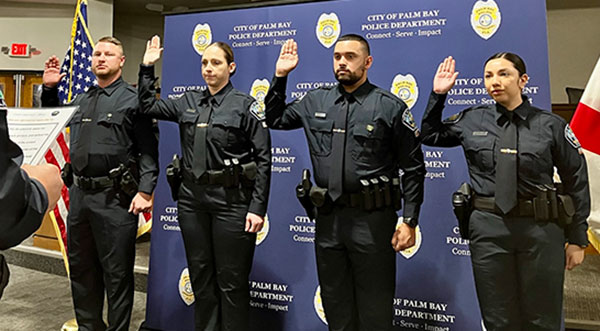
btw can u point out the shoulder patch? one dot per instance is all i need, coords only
(454, 118)
(258, 111)
(409, 121)
(571, 138)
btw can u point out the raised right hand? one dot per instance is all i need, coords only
(153, 51)
(52, 75)
(288, 58)
(445, 77)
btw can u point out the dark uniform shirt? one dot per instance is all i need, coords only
(233, 130)
(23, 201)
(381, 136)
(544, 141)
(121, 133)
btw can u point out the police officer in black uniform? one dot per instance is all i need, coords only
(359, 136)
(27, 194)
(109, 138)
(517, 242)
(226, 167)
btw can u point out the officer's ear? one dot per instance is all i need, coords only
(523, 81)
(122, 61)
(232, 68)
(368, 62)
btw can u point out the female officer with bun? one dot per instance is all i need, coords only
(519, 246)
(226, 167)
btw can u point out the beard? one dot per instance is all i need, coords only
(348, 78)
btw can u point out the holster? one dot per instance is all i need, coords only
(303, 194)
(125, 181)
(66, 173)
(174, 176)
(462, 205)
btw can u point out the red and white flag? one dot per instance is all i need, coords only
(586, 126)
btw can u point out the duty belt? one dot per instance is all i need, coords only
(524, 207)
(93, 183)
(215, 177)
(350, 199)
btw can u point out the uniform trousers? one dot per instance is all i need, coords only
(518, 265)
(356, 267)
(219, 253)
(101, 247)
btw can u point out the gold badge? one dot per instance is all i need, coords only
(485, 18)
(405, 87)
(201, 38)
(185, 287)
(328, 29)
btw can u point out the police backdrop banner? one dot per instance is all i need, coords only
(408, 40)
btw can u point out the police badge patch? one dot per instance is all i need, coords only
(571, 138)
(258, 111)
(409, 121)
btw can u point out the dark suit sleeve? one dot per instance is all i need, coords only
(50, 96)
(279, 115)
(260, 138)
(434, 131)
(23, 201)
(409, 157)
(162, 109)
(572, 169)
(146, 141)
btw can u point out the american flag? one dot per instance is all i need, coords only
(77, 66)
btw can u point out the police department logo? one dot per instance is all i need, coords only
(259, 89)
(185, 287)
(318, 303)
(328, 29)
(258, 111)
(571, 138)
(485, 18)
(409, 122)
(201, 38)
(405, 87)
(262, 234)
(410, 252)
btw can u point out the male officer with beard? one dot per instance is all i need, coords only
(359, 137)
(110, 143)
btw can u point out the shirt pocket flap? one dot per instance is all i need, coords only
(367, 131)
(188, 118)
(111, 118)
(485, 143)
(234, 122)
(321, 125)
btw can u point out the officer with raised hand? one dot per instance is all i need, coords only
(114, 157)
(226, 173)
(359, 137)
(523, 233)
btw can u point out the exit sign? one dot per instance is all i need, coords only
(19, 50)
